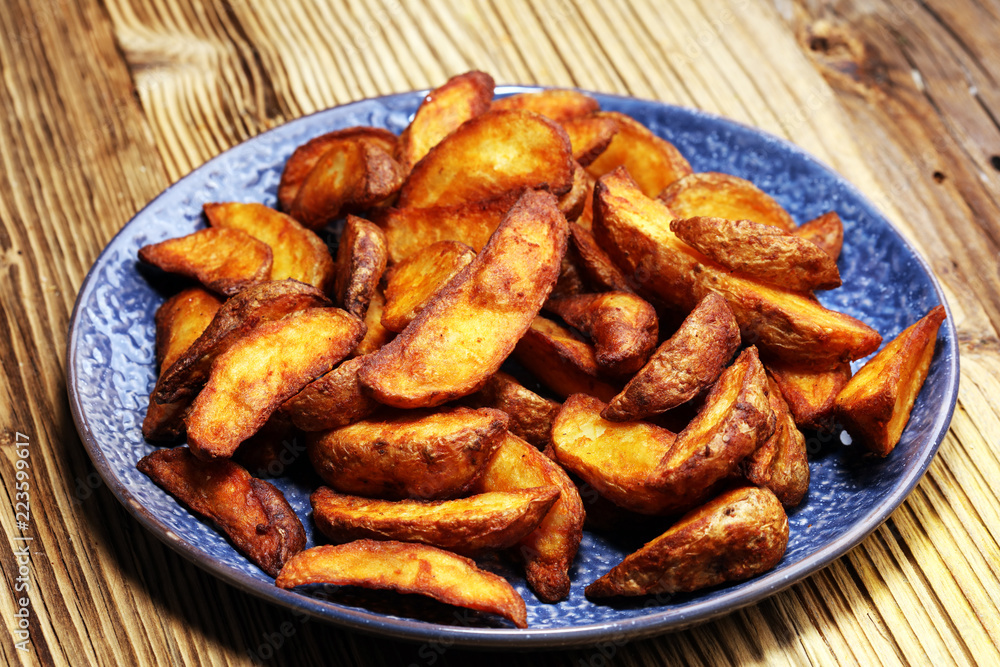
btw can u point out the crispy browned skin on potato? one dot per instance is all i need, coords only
(875, 405)
(572, 203)
(653, 162)
(377, 335)
(419, 454)
(308, 154)
(406, 567)
(623, 327)
(471, 525)
(810, 393)
(471, 326)
(561, 360)
(548, 551)
(826, 231)
(636, 232)
(602, 274)
(780, 463)
(689, 361)
(559, 104)
(263, 369)
(254, 305)
(331, 400)
(272, 449)
(570, 281)
(252, 513)
(298, 253)
(489, 155)
(223, 260)
(461, 98)
(414, 281)
(740, 534)
(760, 251)
(723, 196)
(531, 415)
(361, 258)
(590, 136)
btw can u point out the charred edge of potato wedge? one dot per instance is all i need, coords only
(332, 400)
(361, 259)
(718, 195)
(531, 415)
(780, 463)
(413, 282)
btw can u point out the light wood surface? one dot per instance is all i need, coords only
(103, 103)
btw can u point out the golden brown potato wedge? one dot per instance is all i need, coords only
(685, 364)
(826, 231)
(252, 513)
(414, 281)
(653, 162)
(738, 535)
(780, 463)
(223, 260)
(298, 253)
(810, 393)
(559, 104)
(762, 252)
(461, 98)
(331, 400)
(716, 195)
(419, 454)
(636, 232)
(531, 416)
(572, 203)
(406, 567)
(377, 335)
(561, 360)
(875, 405)
(590, 136)
(263, 369)
(361, 258)
(549, 550)
(463, 335)
(623, 327)
(469, 526)
(602, 274)
(489, 155)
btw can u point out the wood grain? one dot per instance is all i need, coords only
(103, 104)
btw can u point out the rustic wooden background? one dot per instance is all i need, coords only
(103, 103)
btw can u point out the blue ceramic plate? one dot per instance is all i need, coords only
(886, 284)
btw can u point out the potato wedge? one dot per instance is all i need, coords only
(531, 415)
(653, 162)
(717, 195)
(272, 450)
(559, 104)
(263, 369)
(549, 550)
(780, 463)
(685, 364)
(469, 526)
(466, 332)
(590, 136)
(561, 360)
(636, 232)
(223, 260)
(826, 232)
(377, 335)
(738, 535)
(810, 393)
(298, 253)
(570, 281)
(420, 454)
(406, 567)
(489, 155)
(623, 327)
(602, 274)
(442, 111)
(572, 203)
(414, 281)
(252, 513)
(875, 405)
(760, 251)
(361, 258)
(331, 400)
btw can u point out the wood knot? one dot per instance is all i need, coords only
(843, 57)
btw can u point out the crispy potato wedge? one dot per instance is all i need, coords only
(780, 463)
(489, 155)
(531, 416)
(623, 327)
(685, 364)
(602, 274)
(716, 195)
(810, 393)
(420, 454)
(406, 567)
(561, 360)
(331, 400)
(377, 335)
(636, 232)
(760, 251)
(738, 535)
(826, 232)
(361, 258)
(472, 525)
(261, 303)
(223, 260)
(272, 449)
(572, 203)
(875, 405)
(461, 98)
(570, 281)
(414, 281)
(653, 162)
(263, 369)
(466, 332)
(590, 136)
(549, 550)
(308, 154)
(559, 104)
(615, 458)
(252, 513)
(298, 253)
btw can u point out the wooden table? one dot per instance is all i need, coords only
(103, 103)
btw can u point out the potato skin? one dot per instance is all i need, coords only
(531, 416)
(825, 231)
(361, 258)
(724, 196)
(331, 400)
(810, 393)
(780, 463)
(602, 274)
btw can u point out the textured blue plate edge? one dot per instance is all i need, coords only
(618, 630)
